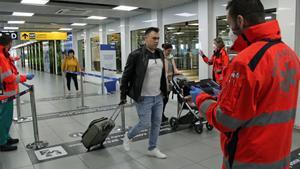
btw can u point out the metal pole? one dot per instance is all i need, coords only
(64, 82)
(18, 105)
(81, 86)
(37, 143)
(102, 84)
(123, 118)
(20, 119)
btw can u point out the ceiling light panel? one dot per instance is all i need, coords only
(15, 22)
(11, 28)
(125, 8)
(65, 29)
(185, 14)
(34, 2)
(27, 14)
(78, 24)
(97, 17)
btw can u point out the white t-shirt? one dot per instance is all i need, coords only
(151, 84)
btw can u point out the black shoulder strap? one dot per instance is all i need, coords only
(257, 57)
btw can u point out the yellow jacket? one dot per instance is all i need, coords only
(70, 64)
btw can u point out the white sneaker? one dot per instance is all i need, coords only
(126, 142)
(156, 153)
(68, 94)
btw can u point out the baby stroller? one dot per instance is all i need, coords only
(181, 87)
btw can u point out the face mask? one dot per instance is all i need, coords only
(232, 36)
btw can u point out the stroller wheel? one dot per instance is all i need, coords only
(174, 123)
(209, 127)
(198, 127)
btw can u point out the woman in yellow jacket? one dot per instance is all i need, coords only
(70, 64)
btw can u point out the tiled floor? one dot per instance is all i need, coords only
(185, 149)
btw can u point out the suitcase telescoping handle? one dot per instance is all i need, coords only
(117, 111)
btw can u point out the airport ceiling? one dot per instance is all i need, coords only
(56, 14)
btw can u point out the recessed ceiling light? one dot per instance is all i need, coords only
(34, 2)
(152, 20)
(11, 28)
(170, 28)
(22, 14)
(111, 30)
(194, 24)
(125, 8)
(65, 29)
(15, 22)
(178, 33)
(185, 14)
(78, 24)
(97, 17)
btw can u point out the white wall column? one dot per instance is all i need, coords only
(87, 50)
(125, 40)
(157, 21)
(74, 45)
(205, 19)
(297, 43)
(288, 16)
(102, 33)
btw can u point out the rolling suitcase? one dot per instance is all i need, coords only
(99, 129)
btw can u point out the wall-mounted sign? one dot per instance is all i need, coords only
(13, 35)
(108, 57)
(44, 36)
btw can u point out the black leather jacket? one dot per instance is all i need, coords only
(134, 73)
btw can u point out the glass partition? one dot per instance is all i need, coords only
(137, 38)
(115, 39)
(184, 38)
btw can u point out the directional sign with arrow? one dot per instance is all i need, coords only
(24, 36)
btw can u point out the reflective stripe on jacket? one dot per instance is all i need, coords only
(9, 76)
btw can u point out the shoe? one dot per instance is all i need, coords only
(68, 93)
(156, 153)
(126, 142)
(12, 141)
(7, 147)
(164, 119)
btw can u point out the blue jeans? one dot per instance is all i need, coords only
(150, 113)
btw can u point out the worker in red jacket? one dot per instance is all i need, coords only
(219, 59)
(255, 111)
(9, 79)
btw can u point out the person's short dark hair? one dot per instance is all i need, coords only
(151, 29)
(71, 51)
(219, 41)
(167, 46)
(252, 10)
(5, 39)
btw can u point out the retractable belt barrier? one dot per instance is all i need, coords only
(103, 77)
(11, 98)
(37, 144)
(95, 75)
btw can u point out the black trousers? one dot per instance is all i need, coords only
(70, 76)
